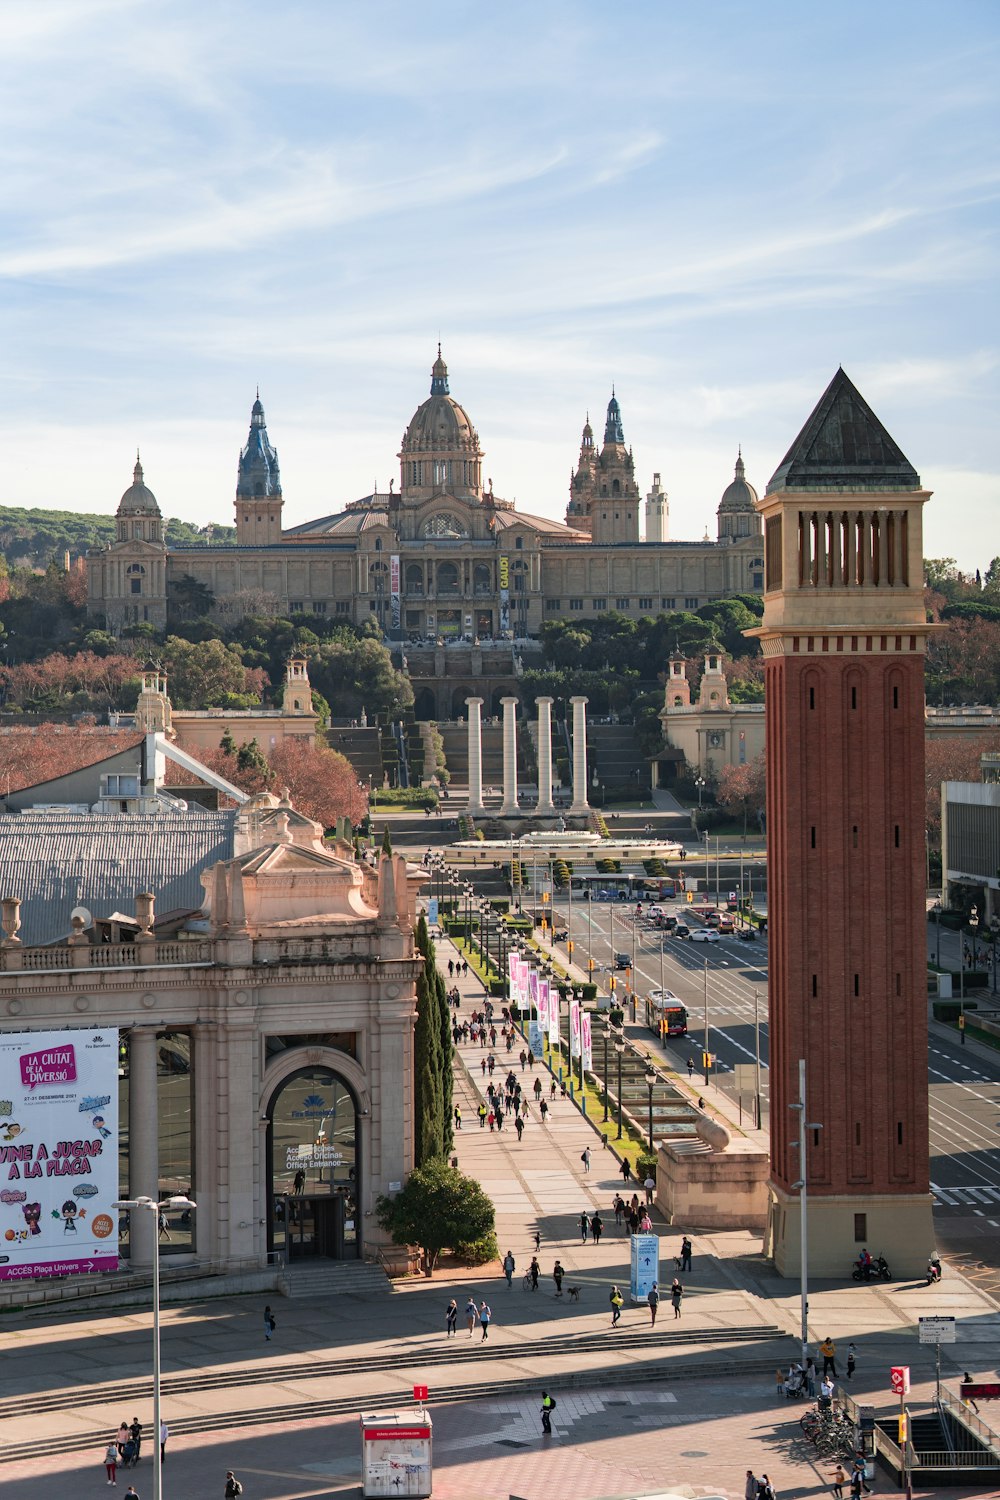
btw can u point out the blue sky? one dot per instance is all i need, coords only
(710, 205)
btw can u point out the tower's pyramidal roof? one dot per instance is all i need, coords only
(843, 446)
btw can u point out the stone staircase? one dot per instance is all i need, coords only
(335, 1278)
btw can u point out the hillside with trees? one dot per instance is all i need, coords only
(34, 537)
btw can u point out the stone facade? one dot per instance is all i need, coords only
(299, 974)
(442, 557)
(712, 732)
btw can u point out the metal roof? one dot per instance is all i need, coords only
(55, 861)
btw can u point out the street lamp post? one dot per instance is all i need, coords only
(607, 1037)
(699, 782)
(706, 1057)
(974, 924)
(578, 997)
(619, 1049)
(937, 928)
(650, 1085)
(150, 1205)
(756, 1055)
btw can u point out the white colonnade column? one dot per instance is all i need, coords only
(510, 806)
(476, 807)
(546, 807)
(580, 803)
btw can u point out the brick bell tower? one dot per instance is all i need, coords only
(843, 635)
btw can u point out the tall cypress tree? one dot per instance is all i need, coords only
(432, 1075)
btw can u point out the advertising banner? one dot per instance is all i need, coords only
(543, 1004)
(504, 595)
(394, 590)
(58, 1153)
(644, 1265)
(588, 1055)
(532, 987)
(574, 1028)
(535, 1035)
(553, 1017)
(432, 912)
(514, 975)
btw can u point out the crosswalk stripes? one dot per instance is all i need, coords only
(965, 1197)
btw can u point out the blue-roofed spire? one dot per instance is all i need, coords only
(613, 432)
(258, 474)
(439, 376)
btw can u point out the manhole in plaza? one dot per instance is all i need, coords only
(510, 1443)
(693, 1453)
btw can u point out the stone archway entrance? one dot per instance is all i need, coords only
(313, 1162)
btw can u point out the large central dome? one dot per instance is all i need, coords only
(440, 446)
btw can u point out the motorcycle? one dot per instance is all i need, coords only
(933, 1270)
(875, 1270)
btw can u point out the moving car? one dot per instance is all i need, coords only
(623, 960)
(705, 935)
(682, 930)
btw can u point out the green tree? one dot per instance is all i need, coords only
(190, 599)
(438, 1209)
(227, 744)
(210, 674)
(251, 760)
(386, 841)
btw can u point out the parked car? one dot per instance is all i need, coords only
(682, 930)
(655, 911)
(705, 935)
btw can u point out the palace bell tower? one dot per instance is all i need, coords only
(843, 635)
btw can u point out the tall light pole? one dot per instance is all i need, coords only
(974, 924)
(650, 1085)
(706, 1057)
(937, 927)
(150, 1205)
(699, 782)
(619, 1049)
(756, 1054)
(607, 1037)
(802, 1186)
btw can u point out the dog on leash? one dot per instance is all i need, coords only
(574, 1293)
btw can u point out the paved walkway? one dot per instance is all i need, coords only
(694, 1438)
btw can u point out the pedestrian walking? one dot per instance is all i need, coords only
(616, 1300)
(269, 1324)
(765, 1490)
(691, 1075)
(828, 1349)
(135, 1432)
(851, 1362)
(619, 1207)
(650, 1188)
(676, 1293)
(124, 1435)
(458, 1118)
(233, 1487)
(548, 1407)
(534, 1271)
(626, 1169)
(839, 1480)
(471, 1314)
(653, 1298)
(538, 1089)
(509, 1268)
(596, 1228)
(584, 1225)
(131, 1493)
(557, 1276)
(685, 1254)
(451, 968)
(544, 1111)
(859, 1476)
(552, 1089)
(111, 1462)
(482, 1112)
(485, 1317)
(164, 1434)
(826, 1393)
(811, 1378)
(750, 1488)
(519, 1126)
(451, 1319)
(538, 1241)
(585, 1158)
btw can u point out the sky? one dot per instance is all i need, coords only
(709, 206)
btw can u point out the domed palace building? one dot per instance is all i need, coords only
(441, 558)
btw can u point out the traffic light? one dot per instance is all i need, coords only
(569, 946)
(590, 966)
(707, 1059)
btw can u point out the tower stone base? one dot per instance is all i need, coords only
(898, 1226)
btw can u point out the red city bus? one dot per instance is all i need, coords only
(665, 1015)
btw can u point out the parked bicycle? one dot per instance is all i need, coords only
(831, 1433)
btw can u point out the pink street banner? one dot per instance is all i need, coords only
(574, 1028)
(543, 1004)
(553, 1017)
(532, 987)
(59, 1153)
(588, 1055)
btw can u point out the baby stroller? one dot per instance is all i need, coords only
(795, 1384)
(130, 1454)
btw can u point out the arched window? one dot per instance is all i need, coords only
(315, 1165)
(444, 524)
(447, 578)
(378, 544)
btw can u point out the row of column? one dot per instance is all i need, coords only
(545, 807)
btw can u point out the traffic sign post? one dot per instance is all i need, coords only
(899, 1379)
(937, 1331)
